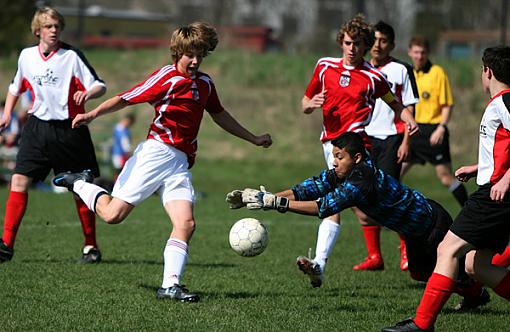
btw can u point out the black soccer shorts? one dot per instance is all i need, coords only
(484, 223)
(421, 152)
(47, 145)
(384, 154)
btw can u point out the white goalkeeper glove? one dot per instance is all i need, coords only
(262, 199)
(235, 199)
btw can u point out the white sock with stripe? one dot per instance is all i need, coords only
(326, 238)
(88, 193)
(176, 256)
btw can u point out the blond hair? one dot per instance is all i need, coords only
(357, 28)
(40, 17)
(198, 38)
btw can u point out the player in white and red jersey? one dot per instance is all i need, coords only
(179, 93)
(390, 141)
(346, 89)
(483, 225)
(60, 81)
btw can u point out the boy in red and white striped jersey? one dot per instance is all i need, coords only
(179, 94)
(346, 89)
(482, 227)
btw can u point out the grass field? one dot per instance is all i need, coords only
(45, 289)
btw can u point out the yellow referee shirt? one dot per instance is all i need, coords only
(435, 92)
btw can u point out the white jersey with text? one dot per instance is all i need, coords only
(400, 76)
(494, 145)
(52, 80)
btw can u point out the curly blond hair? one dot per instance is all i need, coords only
(357, 28)
(197, 38)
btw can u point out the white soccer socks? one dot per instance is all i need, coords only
(176, 256)
(88, 193)
(326, 238)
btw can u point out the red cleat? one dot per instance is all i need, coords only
(404, 264)
(372, 263)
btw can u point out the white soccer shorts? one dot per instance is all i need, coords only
(327, 147)
(155, 166)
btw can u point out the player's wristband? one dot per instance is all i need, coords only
(282, 204)
(443, 125)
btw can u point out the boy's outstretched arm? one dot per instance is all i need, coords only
(230, 125)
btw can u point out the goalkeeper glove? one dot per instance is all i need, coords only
(262, 199)
(235, 199)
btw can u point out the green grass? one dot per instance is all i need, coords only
(45, 289)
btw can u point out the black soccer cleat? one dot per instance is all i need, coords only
(6, 253)
(407, 325)
(178, 293)
(67, 179)
(91, 255)
(468, 304)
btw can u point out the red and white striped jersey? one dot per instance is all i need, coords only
(494, 145)
(350, 97)
(400, 76)
(179, 102)
(53, 80)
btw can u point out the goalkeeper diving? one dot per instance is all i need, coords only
(355, 181)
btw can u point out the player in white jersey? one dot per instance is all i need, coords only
(483, 225)
(388, 135)
(180, 94)
(60, 81)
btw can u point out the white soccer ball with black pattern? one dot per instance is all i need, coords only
(248, 237)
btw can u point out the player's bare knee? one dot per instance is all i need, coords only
(185, 225)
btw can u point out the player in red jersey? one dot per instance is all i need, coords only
(483, 225)
(346, 89)
(60, 81)
(179, 94)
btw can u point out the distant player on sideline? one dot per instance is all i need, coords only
(355, 181)
(483, 225)
(61, 81)
(433, 113)
(179, 94)
(390, 140)
(121, 147)
(346, 89)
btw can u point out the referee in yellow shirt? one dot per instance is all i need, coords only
(433, 112)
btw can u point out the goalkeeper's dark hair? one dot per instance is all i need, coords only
(498, 60)
(352, 143)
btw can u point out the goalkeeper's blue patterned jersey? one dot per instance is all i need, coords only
(380, 196)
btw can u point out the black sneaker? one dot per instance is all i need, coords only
(91, 255)
(6, 253)
(67, 179)
(468, 304)
(177, 292)
(407, 325)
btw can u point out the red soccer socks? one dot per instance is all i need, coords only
(374, 261)
(14, 211)
(502, 259)
(88, 223)
(438, 291)
(503, 288)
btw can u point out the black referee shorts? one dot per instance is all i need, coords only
(484, 223)
(422, 251)
(384, 154)
(421, 152)
(47, 145)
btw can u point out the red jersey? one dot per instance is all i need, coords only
(350, 97)
(179, 102)
(494, 145)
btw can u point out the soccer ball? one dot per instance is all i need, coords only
(248, 237)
